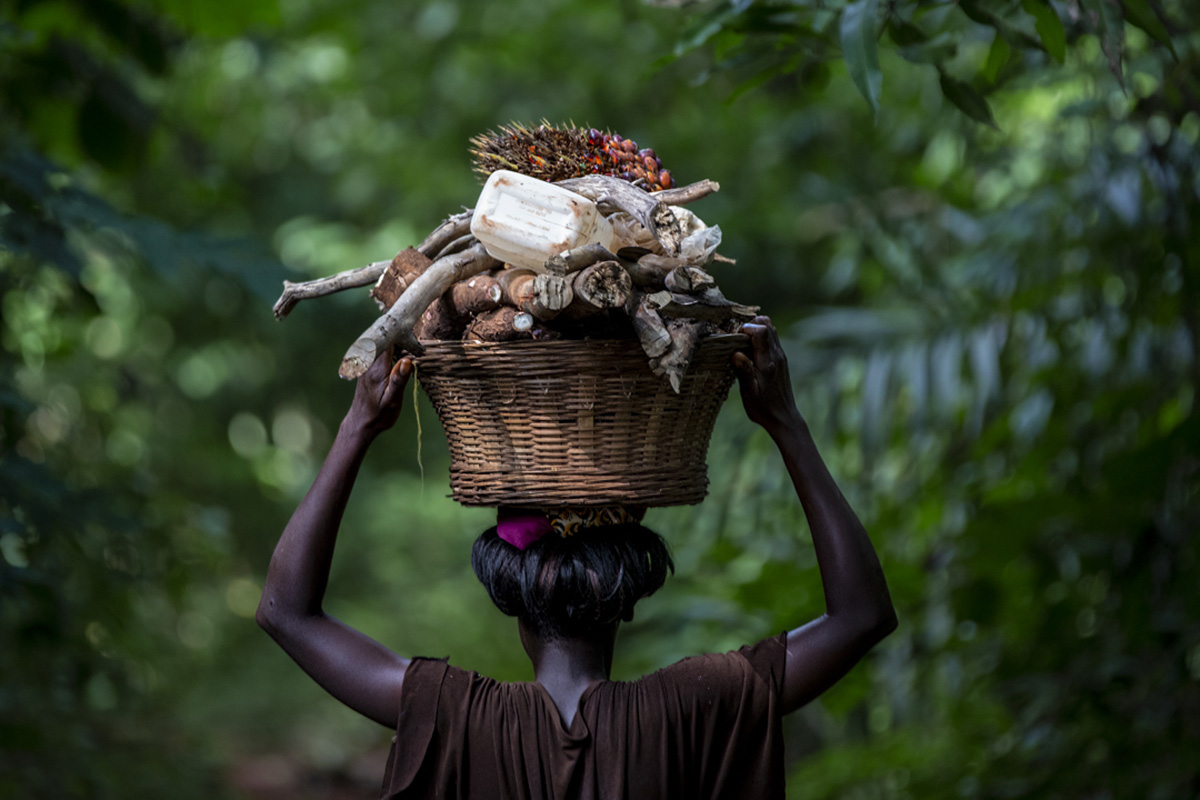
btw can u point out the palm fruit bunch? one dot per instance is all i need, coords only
(553, 154)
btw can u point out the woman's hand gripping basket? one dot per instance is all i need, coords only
(569, 334)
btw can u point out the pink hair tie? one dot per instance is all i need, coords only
(521, 528)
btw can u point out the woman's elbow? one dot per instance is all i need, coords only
(888, 623)
(264, 617)
(871, 629)
(282, 617)
(882, 625)
(269, 616)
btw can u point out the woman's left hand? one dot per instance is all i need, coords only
(379, 394)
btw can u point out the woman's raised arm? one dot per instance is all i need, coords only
(858, 608)
(354, 668)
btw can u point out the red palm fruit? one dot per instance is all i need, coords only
(556, 153)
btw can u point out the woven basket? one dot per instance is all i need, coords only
(575, 422)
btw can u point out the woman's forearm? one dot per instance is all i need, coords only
(855, 589)
(299, 570)
(351, 666)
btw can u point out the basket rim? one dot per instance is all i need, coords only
(564, 344)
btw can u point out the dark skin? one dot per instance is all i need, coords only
(367, 677)
(858, 609)
(567, 667)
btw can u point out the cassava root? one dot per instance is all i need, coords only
(396, 324)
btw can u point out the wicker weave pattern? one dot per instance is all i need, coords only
(573, 422)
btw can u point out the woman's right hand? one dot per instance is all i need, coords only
(763, 377)
(379, 394)
(354, 668)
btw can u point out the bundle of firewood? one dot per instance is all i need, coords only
(654, 283)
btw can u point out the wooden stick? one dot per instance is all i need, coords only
(648, 325)
(688, 280)
(663, 263)
(709, 306)
(649, 272)
(604, 285)
(685, 336)
(632, 252)
(396, 325)
(456, 246)
(551, 294)
(541, 295)
(598, 288)
(569, 261)
(452, 227)
(293, 293)
(683, 195)
(614, 194)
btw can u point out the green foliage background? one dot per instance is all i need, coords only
(976, 224)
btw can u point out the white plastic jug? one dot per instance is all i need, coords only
(523, 221)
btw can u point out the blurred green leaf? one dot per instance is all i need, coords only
(222, 19)
(969, 101)
(936, 50)
(998, 55)
(1049, 27)
(857, 28)
(985, 14)
(905, 33)
(1105, 18)
(1140, 14)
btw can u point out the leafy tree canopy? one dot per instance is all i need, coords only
(975, 223)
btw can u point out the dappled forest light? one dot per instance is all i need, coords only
(976, 226)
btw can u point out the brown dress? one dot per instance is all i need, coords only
(706, 727)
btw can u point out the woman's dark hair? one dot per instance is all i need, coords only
(573, 586)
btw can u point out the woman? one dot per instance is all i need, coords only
(706, 727)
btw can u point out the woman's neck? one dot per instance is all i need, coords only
(567, 667)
